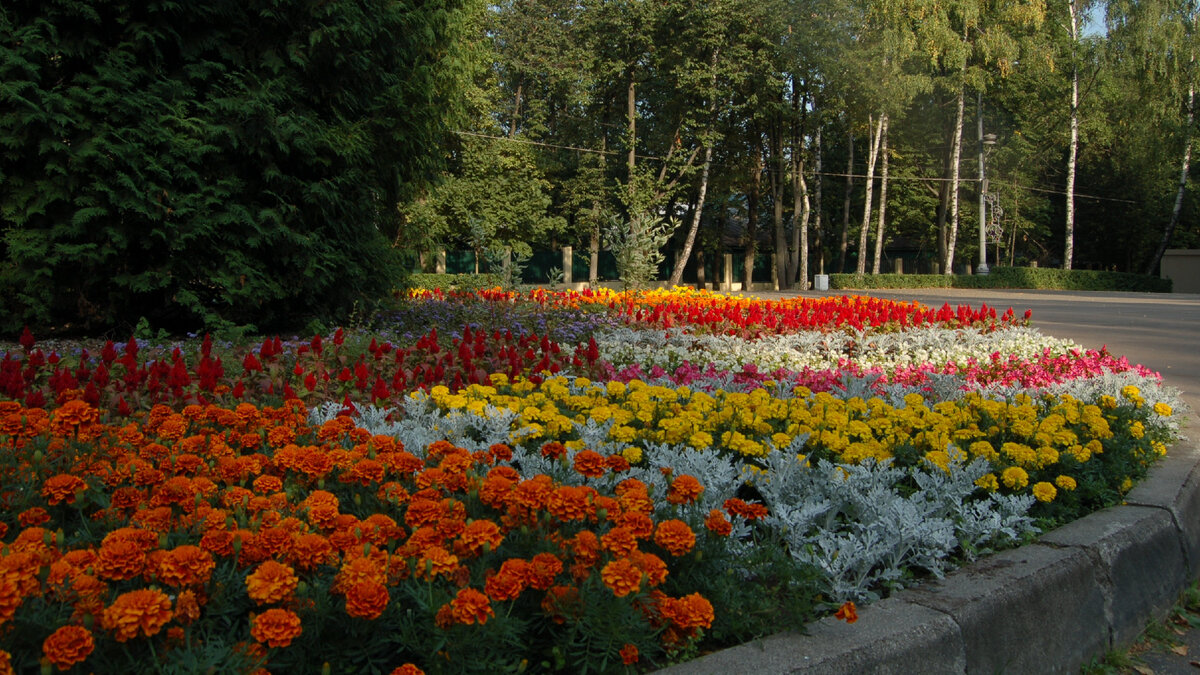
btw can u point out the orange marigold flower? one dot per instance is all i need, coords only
(689, 612)
(569, 502)
(639, 523)
(186, 566)
(718, 524)
(617, 463)
(271, 582)
(366, 599)
(651, 565)
(622, 577)
(561, 602)
(675, 536)
(554, 450)
(590, 463)
(266, 484)
(120, 559)
(187, 607)
(6, 667)
(684, 490)
(73, 413)
(32, 517)
(68, 645)
(509, 582)
(629, 654)
(407, 669)
(477, 537)
(357, 570)
(436, 561)
(275, 627)
(423, 512)
(62, 488)
(737, 507)
(500, 452)
(619, 541)
(848, 612)
(471, 606)
(143, 612)
(543, 569)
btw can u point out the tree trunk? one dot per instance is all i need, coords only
(846, 206)
(750, 236)
(690, 241)
(817, 224)
(512, 124)
(1069, 248)
(778, 184)
(883, 189)
(955, 157)
(797, 272)
(1183, 172)
(873, 136)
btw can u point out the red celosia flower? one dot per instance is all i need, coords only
(275, 627)
(68, 645)
(847, 612)
(141, 612)
(675, 536)
(366, 599)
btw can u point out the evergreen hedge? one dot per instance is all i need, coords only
(213, 163)
(1009, 277)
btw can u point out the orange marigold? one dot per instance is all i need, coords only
(144, 611)
(478, 537)
(407, 669)
(619, 541)
(68, 645)
(543, 569)
(629, 654)
(271, 582)
(738, 507)
(435, 561)
(590, 463)
(62, 488)
(684, 490)
(185, 566)
(120, 559)
(561, 602)
(509, 582)
(622, 576)
(33, 516)
(689, 612)
(718, 524)
(187, 607)
(675, 536)
(847, 612)
(366, 599)
(275, 627)
(471, 606)
(569, 502)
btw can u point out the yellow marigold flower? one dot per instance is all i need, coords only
(1162, 409)
(615, 389)
(1014, 478)
(940, 458)
(1046, 456)
(622, 433)
(632, 454)
(985, 450)
(1137, 429)
(1108, 402)
(1065, 482)
(1044, 492)
(1130, 391)
(700, 440)
(1126, 484)
(1158, 447)
(988, 482)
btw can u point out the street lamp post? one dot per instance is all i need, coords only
(989, 139)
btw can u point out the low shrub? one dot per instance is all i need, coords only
(458, 282)
(1010, 277)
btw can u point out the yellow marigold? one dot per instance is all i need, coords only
(1130, 391)
(939, 458)
(144, 612)
(1044, 492)
(632, 454)
(985, 450)
(275, 627)
(1126, 484)
(1014, 478)
(988, 482)
(1137, 429)
(1162, 409)
(68, 645)
(1065, 483)
(271, 582)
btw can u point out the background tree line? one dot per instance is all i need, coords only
(825, 132)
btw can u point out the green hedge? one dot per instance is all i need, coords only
(457, 282)
(1009, 277)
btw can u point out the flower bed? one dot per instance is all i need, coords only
(564, 481)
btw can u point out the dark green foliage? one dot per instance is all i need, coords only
(455, 282)
(216, 163)
(1010, 277)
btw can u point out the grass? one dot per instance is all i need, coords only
(1159, 637)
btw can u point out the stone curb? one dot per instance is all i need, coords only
(1051, 606)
